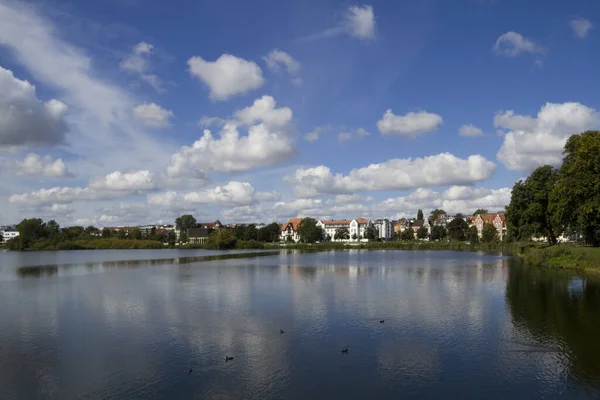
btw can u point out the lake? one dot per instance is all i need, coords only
(131, 324)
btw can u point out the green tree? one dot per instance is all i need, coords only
(222, 239)
(309, 232)
(480, 211)
(436, 213)
(407, 234)
(53, 229)
(1, 238)
(136, 234)
(183, 237)
(341, 234)
(106, 233)
(73, 232)
(473, 235)
(528, 213)
(575, 199)
(263, 234)
(171, 238)
(422, 233)
(185, 222)
(438, 232)
(489, 234)
(457, 229)
(250, 232)
(30, 230)
(274, 230)
(420, 214)
(370, 233)
(354, 236)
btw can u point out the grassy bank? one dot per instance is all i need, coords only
(455, 246)
(564, 256)
(95, 244)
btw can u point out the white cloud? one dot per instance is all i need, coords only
(344, 137)
(111, 186)
(227, 76)
(263, 111)
(533, 142)
(315, 134)
(152, 115)
(349, 199)
(276, 59)
(26, 121)
(509, 120)
(581, 27)
(37, 166)
(138, 62)
(128, 181)
(410, 125)
(357, 21)
(396, 174)
(267, 143)
(470, 130)
(233, 193)
(360, 22)
(207, 121)
(362, 132)
(511, 44)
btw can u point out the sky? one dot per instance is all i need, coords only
(125, 112)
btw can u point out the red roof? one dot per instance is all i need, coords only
(294, 221)
(337, 222)
(362, 220)
(489, 218)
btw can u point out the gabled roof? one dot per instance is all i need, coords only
(362, 220)
(489, 218)
(209, 225)
(337, 222)
(294, 222)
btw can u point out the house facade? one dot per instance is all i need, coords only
(418, 223)
(356, 228)
(384, 228)
(8, 233)
(202, 230)
(498, 221)
(289, 230)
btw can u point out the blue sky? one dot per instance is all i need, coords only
(101, 104)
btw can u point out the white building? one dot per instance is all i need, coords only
(289, 230)
(9, 233)
(384, 228)
(356, 228)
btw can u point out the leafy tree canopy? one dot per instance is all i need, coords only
(480, 211)
(407, 234)
(457, 229)
(422, 233)
(370, 233)
(438, 232)
(309, 232)
(341, 234)
(420, 214)
(436, 213)
(185, 222)
(473, 235)
(489, 234)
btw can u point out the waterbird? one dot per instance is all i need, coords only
(281, 331)
(382, 321)
(190, 371)
(344, 350)
(227, 358)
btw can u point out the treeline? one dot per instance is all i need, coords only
(551, 202)
(35, 234)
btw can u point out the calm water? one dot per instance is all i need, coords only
(130, 324)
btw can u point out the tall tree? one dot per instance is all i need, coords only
(489, 234)
(438, 232)
(528, 213)
(457, 229)
(473, 235)
(370, 233)
(422, 233)
(407, 234)
(420, 214)
(31, 230)
(185, 222)
(136, 234)
(222, 239)
(480, 211)
(436, 213)
(575, 199)
(341, 234)
(309, 232)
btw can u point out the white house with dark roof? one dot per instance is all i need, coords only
(355, 226)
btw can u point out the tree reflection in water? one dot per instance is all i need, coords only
(559, 307)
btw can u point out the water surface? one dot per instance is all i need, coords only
(130, 324)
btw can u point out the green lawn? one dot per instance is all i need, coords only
(565, 256)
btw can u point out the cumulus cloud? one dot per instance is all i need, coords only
(268, 142)
(227, 76)
(277, 59)
(314, 135)
(469, 130)
(533, 142)
(511, 44)
(37, 166)
(396, 174)
(233, 193)
(344, 137)
(152, 115)
(113, 185)
(410, 125)
(25, 120)
(581, 27)
(128, 181)
(138, 61)
(357, 21)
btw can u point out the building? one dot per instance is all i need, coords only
(289, 230)
(497, 220)
(356, 228)
(8, 232)
(418, 223)
(400, 226)
(384, 229)
(200, 232)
